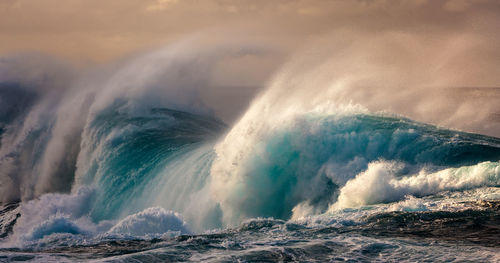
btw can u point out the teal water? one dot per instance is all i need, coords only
(142, 190)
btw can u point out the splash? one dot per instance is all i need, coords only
(49, 111)
(379, 184)
(299, 167)
(139, 152)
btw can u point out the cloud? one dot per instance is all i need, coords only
(459, 5)
(92, 31)
(161, 5)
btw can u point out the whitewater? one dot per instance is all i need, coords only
(134, 163)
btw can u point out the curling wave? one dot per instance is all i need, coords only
(301, 166)
(141, 156)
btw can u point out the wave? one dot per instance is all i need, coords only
(57, 218)
(140, 154)
(300, 166)
(48, 109)
(153, 220)
(311, 164)
(126, 155)
(378, 184)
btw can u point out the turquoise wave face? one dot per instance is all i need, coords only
(135, 166)
(128, 154)
(311, 158)
(163, 158)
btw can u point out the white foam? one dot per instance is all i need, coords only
(54, 218)
(56, 224)
(379, 183)
(153, 221)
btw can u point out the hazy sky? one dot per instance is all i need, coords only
(90, 31)
(423, 43)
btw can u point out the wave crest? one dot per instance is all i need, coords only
(379, 183)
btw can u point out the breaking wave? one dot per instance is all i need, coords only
(139, 155)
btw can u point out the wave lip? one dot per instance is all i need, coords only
(57, 224)
(379, 184)
(127, 157)
(153, 221)
(297, 167)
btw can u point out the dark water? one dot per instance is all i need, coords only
(156, 184)
(470, 234)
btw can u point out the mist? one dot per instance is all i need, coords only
(431, 61)
(49, 105)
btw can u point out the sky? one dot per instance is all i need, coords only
(87, 32)
(400, 48)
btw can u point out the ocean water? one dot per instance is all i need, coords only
(135, 172)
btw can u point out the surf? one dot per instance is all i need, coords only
(139, 154)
